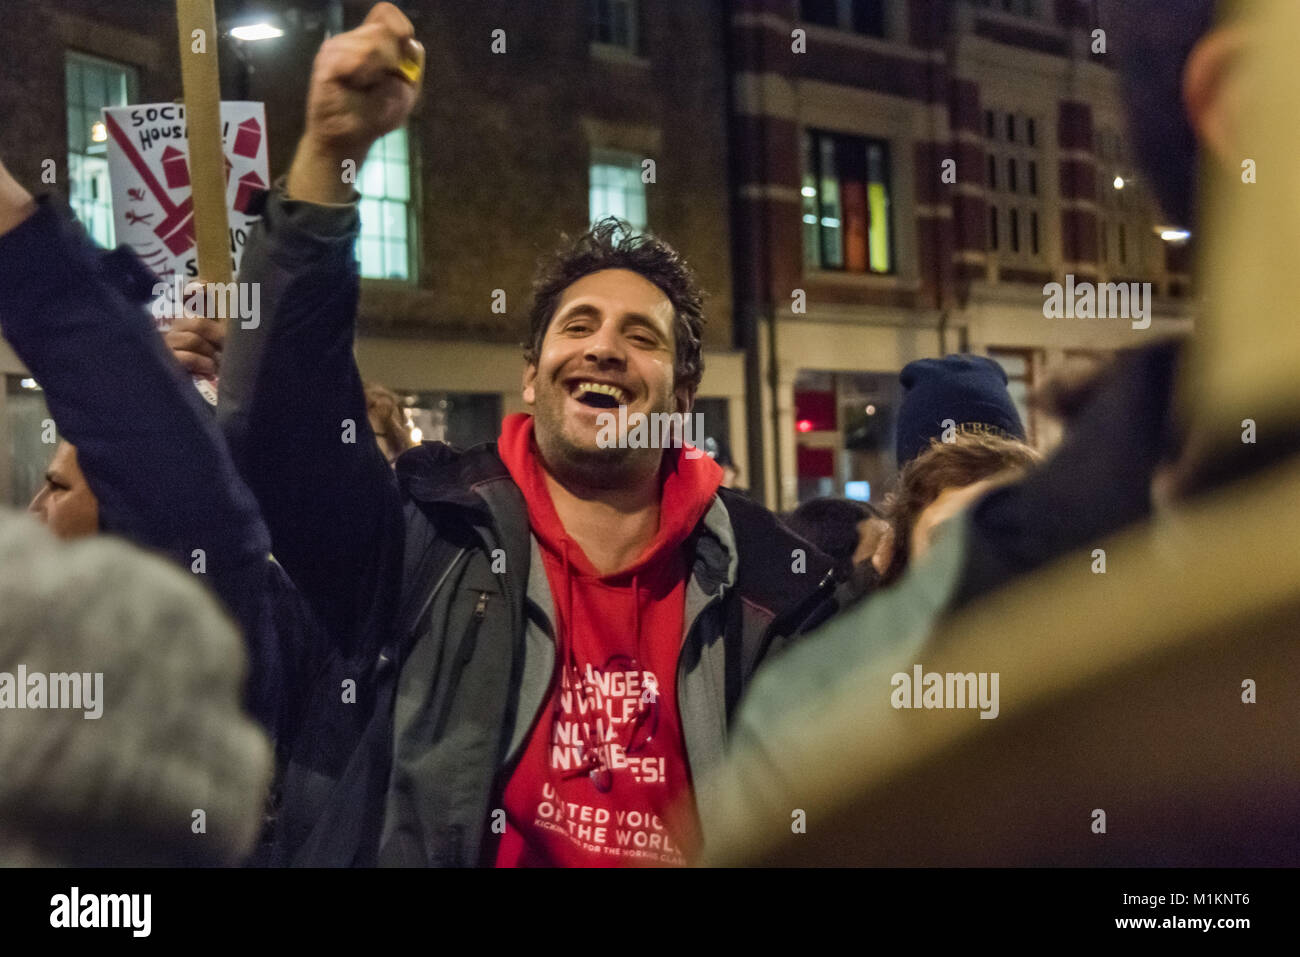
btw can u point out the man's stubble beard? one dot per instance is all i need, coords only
(576, 464)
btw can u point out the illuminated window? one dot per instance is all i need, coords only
(846, 213)
(384, 246)
(91, 85)
(616, 188)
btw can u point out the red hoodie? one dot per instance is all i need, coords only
(605, 763)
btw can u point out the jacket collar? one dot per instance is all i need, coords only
(435, 475)
(716, 559)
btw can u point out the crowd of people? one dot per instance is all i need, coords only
(321, 645)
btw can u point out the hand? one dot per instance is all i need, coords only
(358, 93)
(196, 342)
(16, 204)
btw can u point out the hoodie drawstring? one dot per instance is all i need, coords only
(566, 626)
(636, 613)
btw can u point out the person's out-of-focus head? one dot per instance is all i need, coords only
(932, 481)
(966, 393)
(1180, 87)
(65, 501)
(149, 674)
(846, 530)
(386, 421)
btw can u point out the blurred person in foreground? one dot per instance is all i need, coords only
(131, 716)
(548, 634)
(140, 455)
(1129, 664)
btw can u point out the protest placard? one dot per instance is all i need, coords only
(153, 210)
(148, 168)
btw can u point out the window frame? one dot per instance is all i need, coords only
(635, 47)
(1018, 197)
(622, 159)
(412, 220)
(818, 136)
(131, 73)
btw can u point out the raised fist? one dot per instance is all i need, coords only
(364, 84)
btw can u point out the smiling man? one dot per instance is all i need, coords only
(535, 646)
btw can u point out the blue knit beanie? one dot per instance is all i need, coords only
(969, 390)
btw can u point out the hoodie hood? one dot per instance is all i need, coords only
(687, 490)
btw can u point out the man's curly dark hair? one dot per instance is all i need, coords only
(613, 244)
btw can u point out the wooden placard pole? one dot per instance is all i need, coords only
(197, 24)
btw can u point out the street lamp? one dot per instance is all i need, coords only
(256, 31)
(250, 26)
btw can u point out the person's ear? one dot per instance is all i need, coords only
(1212, 91)
(530, 383)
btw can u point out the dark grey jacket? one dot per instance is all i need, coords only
(439, 650)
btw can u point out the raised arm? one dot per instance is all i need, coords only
(146, 441)
(292, 406)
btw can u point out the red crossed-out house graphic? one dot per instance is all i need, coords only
(176, 229)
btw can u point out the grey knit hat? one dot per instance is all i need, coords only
(171, 771)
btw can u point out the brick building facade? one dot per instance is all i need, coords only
(857, 182)
(525, 105)
(909, 176)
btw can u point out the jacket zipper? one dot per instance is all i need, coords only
(464, 653)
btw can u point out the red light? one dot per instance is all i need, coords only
(804, 425)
